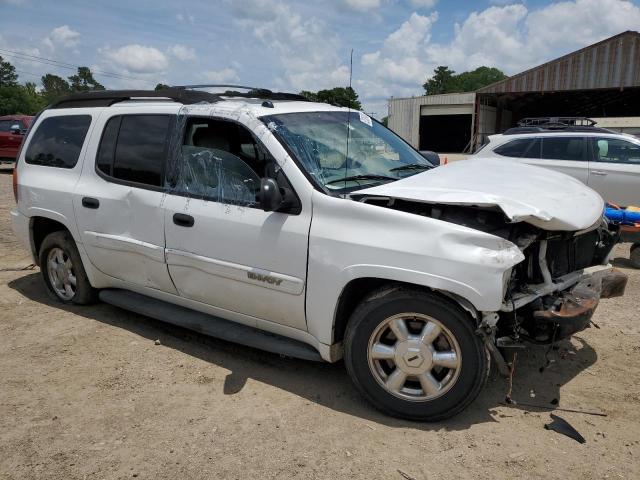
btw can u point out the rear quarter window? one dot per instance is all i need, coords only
(57, 141)
(517, 148)
(133, 148)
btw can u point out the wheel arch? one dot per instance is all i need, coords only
(358, 289)
(39, 228)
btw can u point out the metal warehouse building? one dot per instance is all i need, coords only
(599, 81)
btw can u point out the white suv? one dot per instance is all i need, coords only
(607, 161)
(312, 231)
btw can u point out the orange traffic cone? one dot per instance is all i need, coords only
(446, 160)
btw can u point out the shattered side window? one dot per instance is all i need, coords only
(215, 174)
(214, 159)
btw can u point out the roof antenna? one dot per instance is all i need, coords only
(346, 158)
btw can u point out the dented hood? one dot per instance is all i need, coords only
(541, 197)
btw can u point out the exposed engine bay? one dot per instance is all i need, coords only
(554, 292)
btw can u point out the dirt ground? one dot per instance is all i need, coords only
(86, 393)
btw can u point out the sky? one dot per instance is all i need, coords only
(299, 44)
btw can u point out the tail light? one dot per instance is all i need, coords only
(15, 182)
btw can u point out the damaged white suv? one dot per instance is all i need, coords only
(312, 231)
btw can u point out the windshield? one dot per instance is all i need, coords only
(369, 154)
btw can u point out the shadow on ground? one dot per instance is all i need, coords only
(328, 384)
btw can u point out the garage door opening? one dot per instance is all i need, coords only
(445, 133)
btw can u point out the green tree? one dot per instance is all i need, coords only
(161, 86)
(20, 99)
(441, 82)
(8, 75)
(445, 80)
(478, 78)
(83, 81)
(54, 87)
(341, 96)
(385, 121)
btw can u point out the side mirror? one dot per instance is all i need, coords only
(270, 196)
(16, 129)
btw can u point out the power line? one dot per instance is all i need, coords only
(56, 63)
(27, 73)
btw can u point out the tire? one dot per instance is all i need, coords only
(58, 248)
(634, 256)
(369, 335)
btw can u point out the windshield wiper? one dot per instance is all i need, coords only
(361, 177)
(412, 166)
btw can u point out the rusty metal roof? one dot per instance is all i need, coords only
(611, 63)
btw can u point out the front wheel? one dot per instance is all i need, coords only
(415, 355)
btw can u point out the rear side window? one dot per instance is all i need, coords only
(58, 140)
(5, 125)
(563, 148)
(134, 147)
(517, 148)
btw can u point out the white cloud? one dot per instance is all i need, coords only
(362, 5)
(136, 58)
(182, 52)
(511, 37)
(221, 76)
(185, 18)
(309, 55)
(62, 36)
(424, 3)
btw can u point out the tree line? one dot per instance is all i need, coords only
(27, 99)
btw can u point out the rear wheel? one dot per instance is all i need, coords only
(415, 355)
(62, 270)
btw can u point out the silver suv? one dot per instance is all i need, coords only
(312, 231)
(606, 161)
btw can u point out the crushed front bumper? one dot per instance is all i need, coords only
(573, 309)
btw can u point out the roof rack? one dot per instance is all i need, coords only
(556, 121)
(185, 94)
(554, 124)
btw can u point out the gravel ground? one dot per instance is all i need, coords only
(86, 393)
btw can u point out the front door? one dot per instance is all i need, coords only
(615, 170)
(118, 200)
(222, 248)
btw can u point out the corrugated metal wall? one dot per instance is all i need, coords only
(612, 63)
(404, 113)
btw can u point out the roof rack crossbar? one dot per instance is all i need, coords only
(185, 94)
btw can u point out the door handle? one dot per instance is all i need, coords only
(183, 220)
(600, 173)
(89, 202)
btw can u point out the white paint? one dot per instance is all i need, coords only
(548, 200)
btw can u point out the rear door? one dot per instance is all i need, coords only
(118, 200)
(615, 170)
(565, 154)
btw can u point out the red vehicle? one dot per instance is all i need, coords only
(12, 130)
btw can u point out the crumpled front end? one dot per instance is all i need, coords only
(555, 291)
(571, 311)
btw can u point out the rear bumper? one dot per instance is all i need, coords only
(572, 311)
(20, 225)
